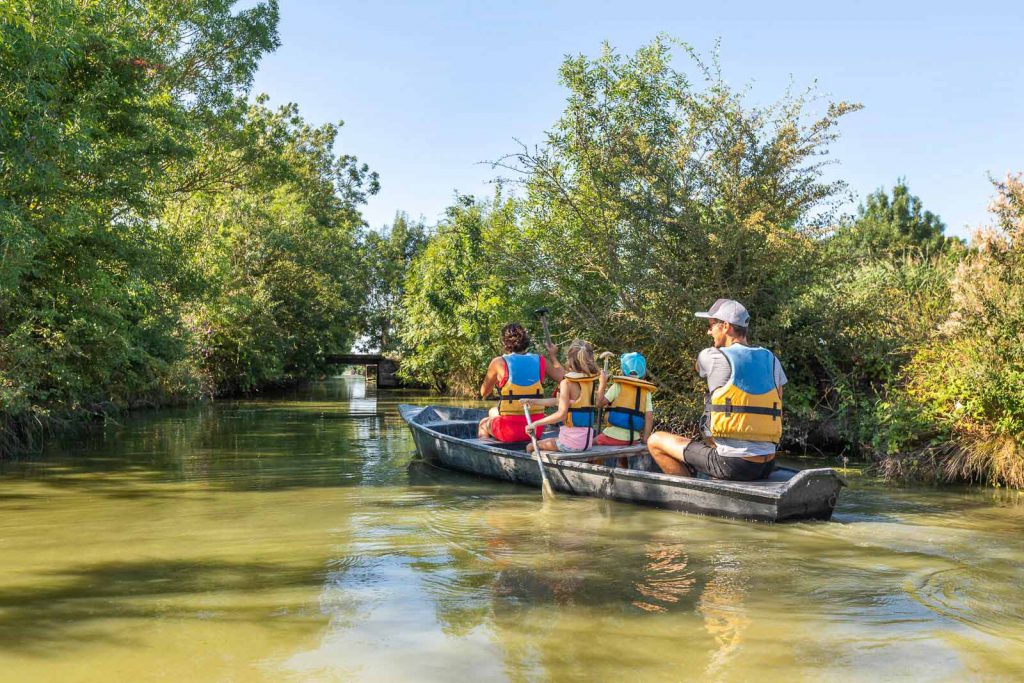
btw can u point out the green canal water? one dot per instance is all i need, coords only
(297, 539)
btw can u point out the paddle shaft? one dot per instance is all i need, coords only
(543, 313)
(600, 411)
(545, 485)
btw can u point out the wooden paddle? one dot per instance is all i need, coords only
(545, 485)
(606, 355)
(542, 313)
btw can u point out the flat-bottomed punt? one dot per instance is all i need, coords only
(447, 436)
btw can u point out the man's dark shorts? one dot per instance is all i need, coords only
(704, 458)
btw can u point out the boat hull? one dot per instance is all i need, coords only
(442, 437)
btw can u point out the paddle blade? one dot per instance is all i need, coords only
(547, 491)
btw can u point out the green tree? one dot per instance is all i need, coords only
(387, 256)
(270, 238)
(959, 402)
(887, 225)
(658, 192)
(460, 291)
(98, 100)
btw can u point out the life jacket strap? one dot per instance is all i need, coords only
(729, 408)
(632, 412)
(509, 398)
(626, 411)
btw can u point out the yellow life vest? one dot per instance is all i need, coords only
(749, 405)
(629, 409)
(523, 381)
(581, 411)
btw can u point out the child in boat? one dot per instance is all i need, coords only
(577, 393)
(629, 415)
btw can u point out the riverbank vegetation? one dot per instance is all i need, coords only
(166, 236)
(660, 190)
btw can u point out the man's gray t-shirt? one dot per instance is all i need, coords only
(714, 366)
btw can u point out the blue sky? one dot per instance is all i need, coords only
(428, 90)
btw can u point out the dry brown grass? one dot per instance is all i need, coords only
(923, 465)
(997, 461)
(993, 460)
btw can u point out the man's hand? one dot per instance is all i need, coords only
(552, 349)
(526, 401)
(531, 428)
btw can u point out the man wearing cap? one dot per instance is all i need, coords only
(742, 421)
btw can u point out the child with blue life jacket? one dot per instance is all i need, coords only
(575, 403)
(629, 417)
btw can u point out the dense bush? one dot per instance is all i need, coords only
(460, 291)
(271, 253)
(98, 99)
(963, 390)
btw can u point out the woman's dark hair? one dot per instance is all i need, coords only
(514, 338)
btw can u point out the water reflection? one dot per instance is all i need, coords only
(667, 578)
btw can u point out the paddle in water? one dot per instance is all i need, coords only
(545, 485)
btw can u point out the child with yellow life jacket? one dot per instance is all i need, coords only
(629, 416)
(576, 403)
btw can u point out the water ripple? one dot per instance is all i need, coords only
(966, 595)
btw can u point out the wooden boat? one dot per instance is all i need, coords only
(447, 436)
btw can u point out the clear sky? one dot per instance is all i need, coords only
(428, 90)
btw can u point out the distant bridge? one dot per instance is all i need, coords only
(384, 369)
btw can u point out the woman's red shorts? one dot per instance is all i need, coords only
(511, 428)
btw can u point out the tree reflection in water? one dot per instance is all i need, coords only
(722, 606)
(557, 585)
(667, 577)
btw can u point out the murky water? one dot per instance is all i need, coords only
(297, 540)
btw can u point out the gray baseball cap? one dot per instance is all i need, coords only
(727, 310)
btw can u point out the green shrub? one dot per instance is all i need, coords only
(965, 382)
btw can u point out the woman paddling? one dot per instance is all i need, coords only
(516, 374)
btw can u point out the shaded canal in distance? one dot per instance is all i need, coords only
(297, 539)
